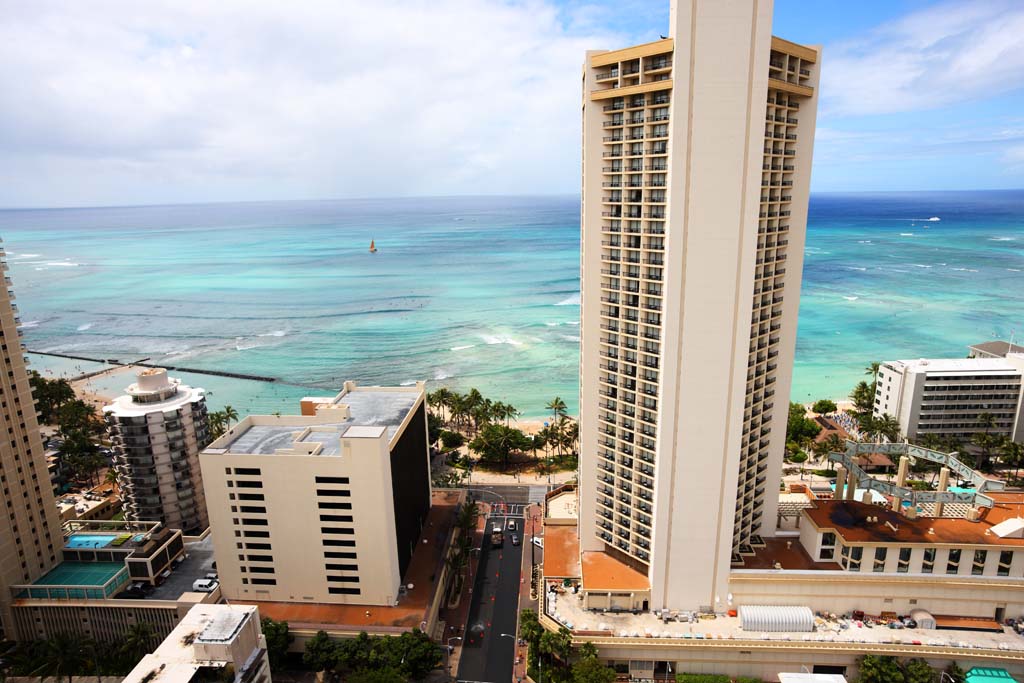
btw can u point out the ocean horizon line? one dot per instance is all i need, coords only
(414, 197)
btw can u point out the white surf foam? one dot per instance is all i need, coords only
(83, 328)
(275, 333)
(851, 298)
(864, 242)
(245, 347)
(407, 383)
(575, 323)
(463, 347)
(1002, 239)
(934, 219)
(1014, 270)
(856, 268)
(573, 300)
(29, 324)
(552, 324)
(906, 234)
(67, 264)
(570, 337)
(23, 257)
(921, 265)
(498, 339)
(440, 374)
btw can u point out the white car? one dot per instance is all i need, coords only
(511, 525)
(204, 585)
(538, 541)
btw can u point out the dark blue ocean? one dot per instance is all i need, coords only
(480, 291)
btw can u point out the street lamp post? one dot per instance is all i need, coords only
(448, 654)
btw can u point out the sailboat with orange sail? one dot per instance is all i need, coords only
(373, 249)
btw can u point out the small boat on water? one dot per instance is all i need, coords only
(373, 249)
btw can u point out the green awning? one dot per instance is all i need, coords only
(984, 674)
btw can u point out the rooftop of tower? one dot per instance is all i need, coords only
(356, 412)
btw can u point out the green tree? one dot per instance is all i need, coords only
(66, 655)
(230, 415)
(320, 653)
(557, 644)
(386, 675)
(824, 406)
(956, 673)
(799, 426)
(918, 671)
(435, 427)
(591, 670)
(530, 629)
(278, 640)
(452, 440)
(50, 395)
(138, 642)
(880, 669)
(1012, 453)
(218, 424)
(888, 426)
(495, 444)
(863, 397)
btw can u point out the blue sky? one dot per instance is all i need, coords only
(111, 102)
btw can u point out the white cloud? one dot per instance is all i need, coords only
(943, 55)
(175, 101)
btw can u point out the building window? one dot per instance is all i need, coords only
(1005, 560)
(880, 555)
(828, 546)
(928, 565)
(337, 590)
(953, 564)
(978, 567)
(904, 564)
(332, 480)
(264, 582)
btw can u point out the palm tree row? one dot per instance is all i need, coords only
(69, 655)
(470, 411)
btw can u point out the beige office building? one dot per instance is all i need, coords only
(326, 507)
(696, 165)
(158, 428)
(30, 530)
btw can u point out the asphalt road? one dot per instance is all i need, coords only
(487, 656)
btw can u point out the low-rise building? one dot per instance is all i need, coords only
(948, 397)
(825, 590)
(114, 575)
(212, 643)
(158, 428)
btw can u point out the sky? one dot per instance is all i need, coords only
(168, 101)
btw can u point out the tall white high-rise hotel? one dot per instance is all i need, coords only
(696, 164)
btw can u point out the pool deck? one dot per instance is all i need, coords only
(85, 574)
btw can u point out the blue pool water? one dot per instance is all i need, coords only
(89, 541)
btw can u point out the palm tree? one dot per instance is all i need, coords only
(872, 369)
(230, 414)
(138, 642)
(557, 408)
(1013, 454)
(217, 423)
(65, 655)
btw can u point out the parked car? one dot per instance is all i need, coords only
(512, 525)
(515, 539)
(538, 541)
(204, 585)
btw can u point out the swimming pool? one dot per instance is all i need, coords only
(89, 541)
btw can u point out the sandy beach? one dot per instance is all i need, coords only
(84, 388)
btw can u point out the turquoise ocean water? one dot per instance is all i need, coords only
(479, 291)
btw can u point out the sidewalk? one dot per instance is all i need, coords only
(455, 619)
(556, 479)
(534, 525)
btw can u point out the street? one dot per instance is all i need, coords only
(487, 655)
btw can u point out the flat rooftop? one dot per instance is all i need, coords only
(567, 609)
(954, 366)
(849, 519)
(562, 551)
(603, 572)
(1000, 348)
(411, 610)
(787, 552)
(368, 407)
